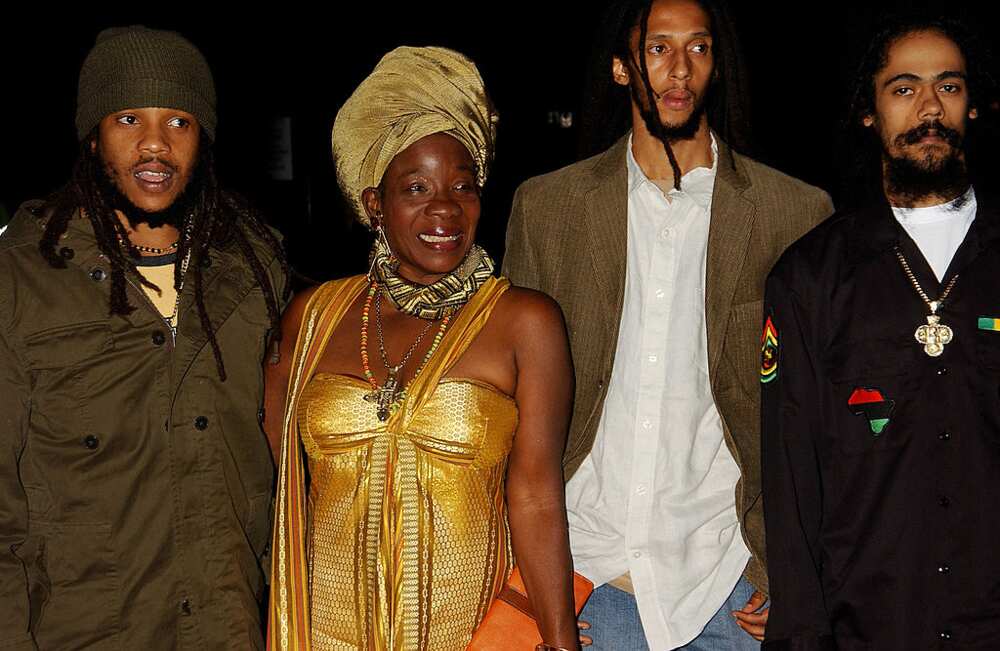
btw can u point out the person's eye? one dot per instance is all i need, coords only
(657, 49)
(128, 119)
(950, 88)
(415, 187)
(903, 91)
(178, 122)
(700, 48)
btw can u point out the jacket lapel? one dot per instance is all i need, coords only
(733, 215)
(605, 226)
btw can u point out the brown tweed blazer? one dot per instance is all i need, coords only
(567, 237)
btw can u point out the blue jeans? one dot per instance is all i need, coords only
(615, 626)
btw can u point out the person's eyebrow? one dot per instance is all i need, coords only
(909, 76)
(702, 34)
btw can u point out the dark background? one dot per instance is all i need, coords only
(298, 63)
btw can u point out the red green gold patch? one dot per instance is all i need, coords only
(769, 353)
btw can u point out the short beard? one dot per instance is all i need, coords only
(177, 214)
(651, 116)
(910, 180)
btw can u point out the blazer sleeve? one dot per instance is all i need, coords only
(791, 475)
(519, 261)
(15, 604)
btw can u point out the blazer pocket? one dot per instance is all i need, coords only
(68, 345)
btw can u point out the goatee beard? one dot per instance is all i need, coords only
(176, 214)
(910, 180)
(672, 132)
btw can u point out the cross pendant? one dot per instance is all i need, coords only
(385, 396)
(934, 336)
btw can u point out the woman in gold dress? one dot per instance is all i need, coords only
(428, 399)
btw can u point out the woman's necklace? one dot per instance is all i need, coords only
(389, 396)
(935, 335)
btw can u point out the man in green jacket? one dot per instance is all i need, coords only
(135, 307)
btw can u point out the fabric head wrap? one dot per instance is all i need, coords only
(412, 93)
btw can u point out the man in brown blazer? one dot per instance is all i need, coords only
(657, 250)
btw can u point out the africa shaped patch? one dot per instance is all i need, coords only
(769, 353)
(871, 404)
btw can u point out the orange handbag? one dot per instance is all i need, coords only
(509, 624)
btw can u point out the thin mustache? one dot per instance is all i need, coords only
(156, 159)
(914, 135)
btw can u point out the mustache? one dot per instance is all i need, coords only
(916, 134)
(159, 160)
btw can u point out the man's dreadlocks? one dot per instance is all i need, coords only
(607, 107)
(217, 218)
(862, 154)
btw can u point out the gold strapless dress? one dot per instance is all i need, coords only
(409, 541)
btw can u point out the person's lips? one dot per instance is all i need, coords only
(154, 176)
(677, 99)
(441, 239)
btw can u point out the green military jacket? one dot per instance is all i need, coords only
(135, 486)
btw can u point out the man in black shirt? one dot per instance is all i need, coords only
(881, 380)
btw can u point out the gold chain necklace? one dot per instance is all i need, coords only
(935, 335)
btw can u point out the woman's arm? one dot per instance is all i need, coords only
(535, 498)
(278, 367)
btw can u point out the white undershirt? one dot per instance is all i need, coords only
(656, 495)
(939, 230)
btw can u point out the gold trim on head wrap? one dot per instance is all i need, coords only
(412, 93)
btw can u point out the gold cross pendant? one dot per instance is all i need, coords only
(934, 336)
(385, 396)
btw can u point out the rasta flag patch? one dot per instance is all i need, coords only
(871, 404)
(989, 323)
(769, 353)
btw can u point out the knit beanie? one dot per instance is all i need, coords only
(138, 67)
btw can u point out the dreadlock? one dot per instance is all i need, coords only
(861, 156)
(607, 105)
(218, 218)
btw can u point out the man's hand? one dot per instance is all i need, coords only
(751, 621)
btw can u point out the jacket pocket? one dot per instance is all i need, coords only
(84, 604)
(871, 381)
(68, 345)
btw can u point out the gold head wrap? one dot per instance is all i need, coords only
(413, 92)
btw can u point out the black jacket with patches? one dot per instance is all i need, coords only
(881, 464)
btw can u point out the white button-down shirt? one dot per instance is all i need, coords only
(655, 496)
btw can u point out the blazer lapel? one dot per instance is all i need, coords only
(733, 215)
(605, 226)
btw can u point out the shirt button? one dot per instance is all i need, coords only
(646, 424)
(637, 554)
(158, 338)
(186, 607)
(66, 253)
(944, 501)
(97, 275)
(943, 370)
(652, 359)
(944, 569)
(91, 442)
(640, 489)
(660, 293)
(944, 436)
(201, 422)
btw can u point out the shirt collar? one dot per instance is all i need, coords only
(698, 184)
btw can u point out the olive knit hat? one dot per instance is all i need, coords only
(138, 67)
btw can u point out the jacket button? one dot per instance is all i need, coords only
(201, 422)
(91, 442)
(66, 253)
(97, 275)
(260, 415)
(944, 501)
(186, 607)
(943, 370)
(944, 436)
(945, 635)
(944, 569)
(159, 338)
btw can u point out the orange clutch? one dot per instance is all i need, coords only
(510, 623)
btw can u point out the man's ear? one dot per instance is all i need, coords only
(868, 120)
(973, 113)
(619, 71)
(372, 201)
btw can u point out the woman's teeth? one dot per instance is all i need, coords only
(436, 239)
